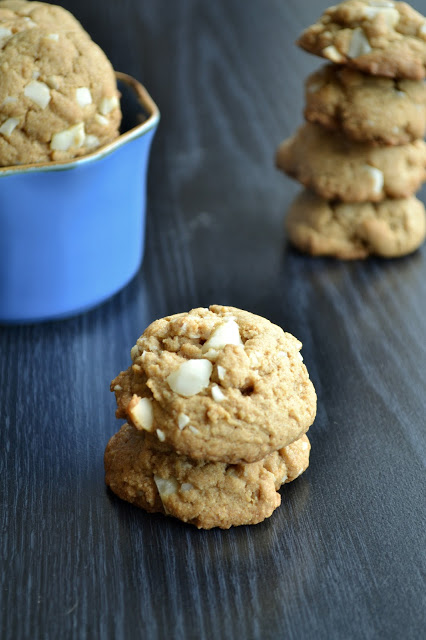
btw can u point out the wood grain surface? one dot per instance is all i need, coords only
(344, 556)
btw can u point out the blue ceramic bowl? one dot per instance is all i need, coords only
(72, 233)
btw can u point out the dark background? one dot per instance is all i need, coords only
(344, 556)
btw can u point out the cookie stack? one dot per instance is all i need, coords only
(361, 153)
(217, 403)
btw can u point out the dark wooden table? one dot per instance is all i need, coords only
(344, 556)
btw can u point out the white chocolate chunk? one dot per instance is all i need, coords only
(38, 92)
(53, 36)
(390, 14)
(118, 387)
(134, 352)
(221, 372)
(227, 332)
(211, 353)
(284, 478)
(381, 3)
(141, 413)
(422, 30)
(217, 394)
(35, 74)
(191, 377)
(255, 360)
(108, 104)
(10, 100)
(183, 420)
(304, 445)
(161, 435)
(166, 486)
(101, 120)
(9, 126)
(186, 486)
(333, 54)
(194, 430)
(5, 35)
(92, 141)
(359, 45)
(30, 23)
(83, 96)
(377, 178)
(72, 137)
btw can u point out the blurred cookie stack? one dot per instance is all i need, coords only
(361, 154)
(217, 402)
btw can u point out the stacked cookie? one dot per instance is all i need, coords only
(361, 154)
(217, 403)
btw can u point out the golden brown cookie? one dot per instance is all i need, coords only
(378, 37)
(145, 472)
(58, 93)
(389, 229)
(217, 384)
(366, 108)
(338, 168)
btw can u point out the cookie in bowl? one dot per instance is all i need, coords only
(58, 91)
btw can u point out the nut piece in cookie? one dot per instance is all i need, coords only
(145, 472)
(217, 384)
(378, 37)
(365, 108)
(389, 229)
(339, 169)
(58, 92)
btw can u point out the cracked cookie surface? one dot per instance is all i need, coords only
(366, 108)
(337, 168)
(145, 472)
(58, 93)
(378, 37)
(217, 384)
(389, 229)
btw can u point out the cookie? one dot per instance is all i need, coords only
(58, 93)
(217, 384)
(378, 37)
(141, 470)
(338, 168)
(389, 229)
(365, 108)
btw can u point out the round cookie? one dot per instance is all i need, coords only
(378, 37)
(140, 470)
(217, 384)
(338, 168)
(366, 108)
(58, 94)
(389, 229)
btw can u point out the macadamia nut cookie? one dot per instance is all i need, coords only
(58, 93)
(145, 472)
(338, 168)
(390, 228)
(217, 384)
(378, 37)
(366, 108)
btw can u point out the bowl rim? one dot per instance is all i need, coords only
(135, 132)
